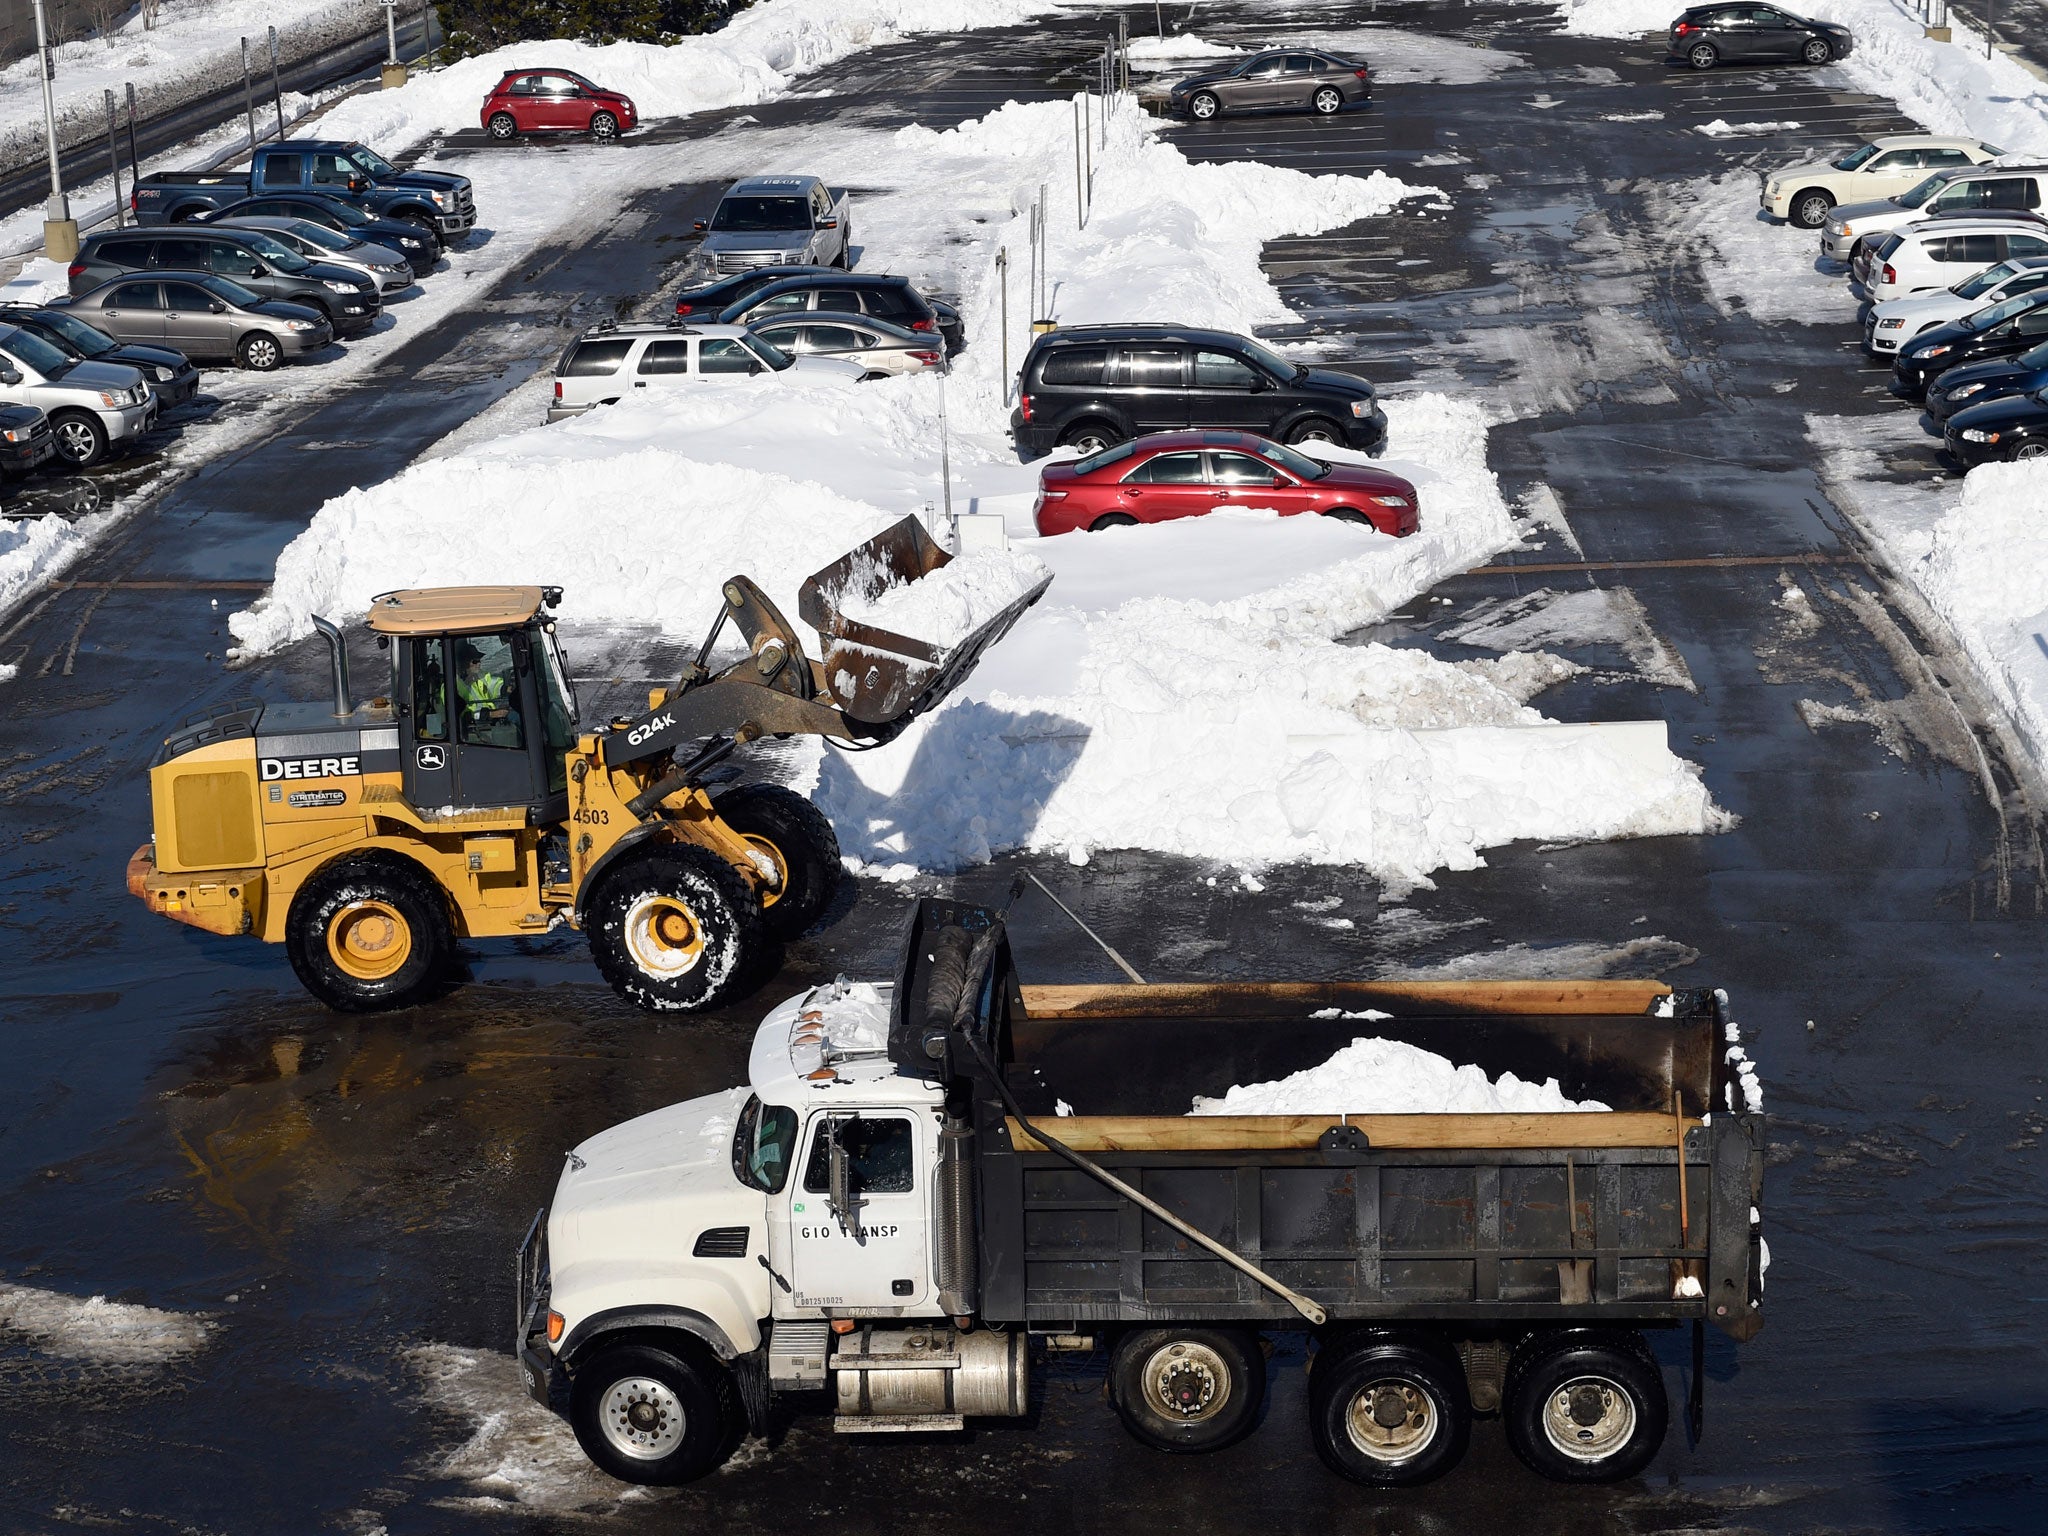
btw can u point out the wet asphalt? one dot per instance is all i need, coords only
(340, 1196)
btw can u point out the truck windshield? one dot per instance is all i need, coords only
(762, 215)
(762, 1146)
(379, 168)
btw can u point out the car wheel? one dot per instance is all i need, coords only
(1091, 437)
(1703, 56)
(259, 353)
(503, 127)
(81, 439)
(1816, 51)
(2036, 450)
(1113, 520)
(1810, 208)
(1328, 101)
(369, 932)
(1204, 105)
(603, 126)
(1316, 430)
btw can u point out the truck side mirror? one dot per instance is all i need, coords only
(828, 223)
(699, 226)
(841, 1186)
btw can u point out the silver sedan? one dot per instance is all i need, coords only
(882, 348)
(316, 242)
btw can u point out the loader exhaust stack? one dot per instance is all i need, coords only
(344, 704)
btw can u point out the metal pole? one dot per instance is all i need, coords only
(1159, 20)
(276, 94)
(1088, 144)
(134, 160)
(1080, 213)
(114, 160)
(946, 463)
(249, 92)
(391, 31)
(59, 210)
(1003, 279)
(426, 30)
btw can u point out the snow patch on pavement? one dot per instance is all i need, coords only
(1389, 1077)
(95, 1329)
(1752, 265)
(1592, 616)
(1649, 956)
(1721, 128)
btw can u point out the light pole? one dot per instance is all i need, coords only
(394, 72)
(60, 230)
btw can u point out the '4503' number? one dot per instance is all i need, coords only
(596, 818)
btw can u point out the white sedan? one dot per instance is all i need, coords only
(1805, 193)
(1897, 321)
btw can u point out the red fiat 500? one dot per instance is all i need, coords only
(1184, 474)
(555, 101)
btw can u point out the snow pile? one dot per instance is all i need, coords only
(951, 603)
(39, 280)
(754, 58)
(1387, 1077)
(109, 1332)
(852, 1015)
(34, 549)
(1721, 128)
(1181, 45)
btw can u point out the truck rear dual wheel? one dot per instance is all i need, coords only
(675, 928)
(1585, 1407)
(1388, 1410)
(1188, 1390)
(648, 1416)
(370, 932)
(796, 841)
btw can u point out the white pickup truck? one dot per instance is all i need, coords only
(778, 221)
(1805, 193)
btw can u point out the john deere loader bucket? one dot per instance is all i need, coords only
(879, 678)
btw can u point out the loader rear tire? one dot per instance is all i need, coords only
(370, 932)
(795, 837)
(675, 929)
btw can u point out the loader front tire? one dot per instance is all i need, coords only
(369, 932)
(795, 838)
(675, 929)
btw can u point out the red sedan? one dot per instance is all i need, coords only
(555, 101)
(1184, 474)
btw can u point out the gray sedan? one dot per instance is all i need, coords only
(881, 348)
(1286, 79)
(316, 242)
(205, 316)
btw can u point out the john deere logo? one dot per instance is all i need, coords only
(432, 757)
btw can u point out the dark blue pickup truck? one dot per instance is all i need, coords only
(430, 199)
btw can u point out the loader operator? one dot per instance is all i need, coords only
(487, 717)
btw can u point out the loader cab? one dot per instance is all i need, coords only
(485, 712)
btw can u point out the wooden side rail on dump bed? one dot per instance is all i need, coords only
(1267, 1133)
(1256, 998)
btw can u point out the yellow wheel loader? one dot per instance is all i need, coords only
(468, 802)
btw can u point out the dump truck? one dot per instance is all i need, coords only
(895, 1218)
(468, 801)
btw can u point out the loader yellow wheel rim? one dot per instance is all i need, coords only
(663, 935)
(776, 879)
(370, 940)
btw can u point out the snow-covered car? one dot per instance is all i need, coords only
(604, 365)
(1896, 321)
(1805, 193)
(1996, 187)
(883, 350)
(1926, 257)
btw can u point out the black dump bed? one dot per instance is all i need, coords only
(1509, 1219)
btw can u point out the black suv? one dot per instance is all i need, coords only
(1089, 386)
(347, 298)
(850, 293)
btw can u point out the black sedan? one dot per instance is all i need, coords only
(1707, 35)
(2004, 330)
(1976, 383)
(419, 245)
(2000, 431)
(25, 440)
(170, 374)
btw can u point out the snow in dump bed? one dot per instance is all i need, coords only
(93, 1328)
(951, 603)
(1189, 695)
(1388, 1077)
(752, 59)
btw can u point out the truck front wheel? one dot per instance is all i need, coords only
(1188, 1390)
(793, 836)
(647, 1416)
(675, 929)
(1585, 1407)
(1387, 1411)
(369, 932)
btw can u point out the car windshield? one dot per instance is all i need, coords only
(1273, 362)
(1984, 281)
(232, 293)
(373, 162)
(767, 351)
(27, 347)
(761, 215)
(1096, 461)
(348, 213)
(1921, 193)
(1299, 465)
(320, 235)
(86, 341)
(2004, 311)
(280, 256)
(762, 1144)
(2036, 357)
(1855, 157)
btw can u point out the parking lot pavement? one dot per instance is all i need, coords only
(340, 1196)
